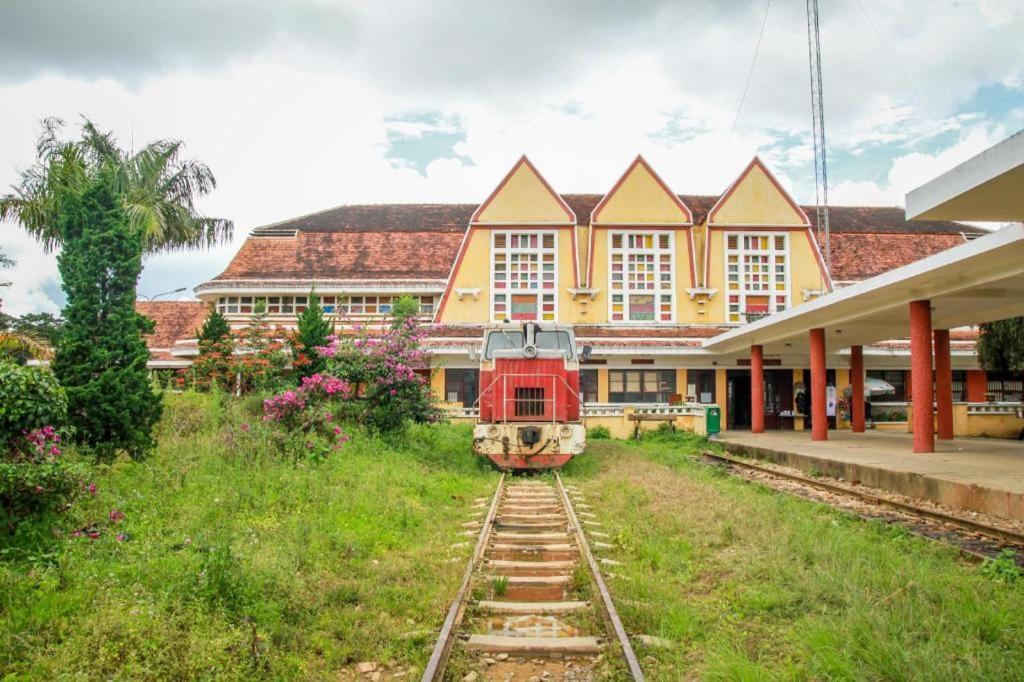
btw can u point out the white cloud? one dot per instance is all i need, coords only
(292, 125)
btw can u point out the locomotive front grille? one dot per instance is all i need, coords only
(529, 402)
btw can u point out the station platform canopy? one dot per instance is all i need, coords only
(986, 188)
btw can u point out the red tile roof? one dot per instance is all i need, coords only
(175, 320)
(347, 255)
(858, 256)
(421, 241)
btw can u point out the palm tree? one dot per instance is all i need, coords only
(20, 347)
(157, 186)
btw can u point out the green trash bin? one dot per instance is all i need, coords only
(713, 419)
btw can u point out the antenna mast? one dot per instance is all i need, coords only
(818, 125)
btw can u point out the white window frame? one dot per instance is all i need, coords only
(540, 291)
(742, 292)
(626, 291)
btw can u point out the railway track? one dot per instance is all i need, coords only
(532, 600)
(976, 539)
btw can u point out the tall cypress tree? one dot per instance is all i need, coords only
(313, 330)
(101, 360)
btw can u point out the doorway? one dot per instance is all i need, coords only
(738, 398)
(778, 399)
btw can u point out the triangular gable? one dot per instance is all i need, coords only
(524, 197)
(641, 197)
(756, 198)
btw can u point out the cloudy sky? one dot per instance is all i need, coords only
(303, 105)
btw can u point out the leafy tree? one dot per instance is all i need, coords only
(214, 366)
(404, 308)
(261, 358)
(101, 360)
(155, 188)
(311, 333)
(45, 326)
(1001, 345)
(19, 345)
(214, 330)
(387, 370)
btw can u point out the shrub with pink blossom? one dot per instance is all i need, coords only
(304, 417)
(34, 477)
(389, 373)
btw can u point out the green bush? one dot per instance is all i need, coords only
(33, 476)
(30, 398)
(599, 433)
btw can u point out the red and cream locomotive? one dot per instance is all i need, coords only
(531, 415)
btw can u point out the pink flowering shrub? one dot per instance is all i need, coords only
(303, 417)
(389, 370)
(285, 408)
(34, 477)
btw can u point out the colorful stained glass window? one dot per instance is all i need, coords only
(756, 275)
(640, 276)
(523, 266)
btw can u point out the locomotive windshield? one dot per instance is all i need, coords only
(555, 340)
(513, 339)
(503, 340)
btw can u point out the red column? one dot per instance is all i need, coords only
(977, 385)
(819, 415)
(757, 389)
(943, 385)
(921, 375)
(857, 389)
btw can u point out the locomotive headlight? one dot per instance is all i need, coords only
(565, 431)
(492, 431)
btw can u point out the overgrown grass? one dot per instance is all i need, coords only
(749, 583)
(238, 566)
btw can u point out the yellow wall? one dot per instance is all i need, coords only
(756, 200)
(602, 385)
(437, 382)
(523, 199)
(639, 199)
(842, 381)
(722, 396)
(474, 273)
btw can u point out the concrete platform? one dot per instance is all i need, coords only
(978, 474)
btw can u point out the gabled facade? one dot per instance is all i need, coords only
(641, 261)
(646, 275)
(760, 255)
(518, 260)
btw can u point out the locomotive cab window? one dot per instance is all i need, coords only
(507, 340)
(554, 340)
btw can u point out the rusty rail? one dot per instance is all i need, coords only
(965, 524)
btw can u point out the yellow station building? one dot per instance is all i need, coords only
(645, 275)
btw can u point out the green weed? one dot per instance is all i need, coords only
(233, 565)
